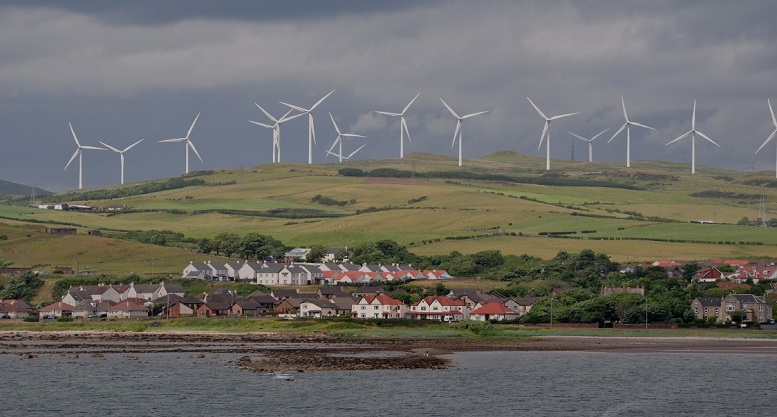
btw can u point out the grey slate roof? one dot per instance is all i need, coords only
(709, 302)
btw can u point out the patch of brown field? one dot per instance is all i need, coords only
(400, 181)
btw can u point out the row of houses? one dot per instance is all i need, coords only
(116, 293)
(274, 273)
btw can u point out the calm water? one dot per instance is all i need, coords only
(482, 384)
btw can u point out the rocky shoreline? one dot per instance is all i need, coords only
(274, 352)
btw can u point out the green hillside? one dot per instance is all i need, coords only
(504, 201)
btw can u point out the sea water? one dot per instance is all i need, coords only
(479, 384)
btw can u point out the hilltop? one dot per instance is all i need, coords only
(14, 190)
(505, 201)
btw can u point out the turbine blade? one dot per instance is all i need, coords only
(388, 113)
(110, 147)
(450, 109)
(774, 121)
(474, 114)
(194, 149)
(411, 102)
(192, 126)
(684, 135)
(561, 116)
(332, 153)
(337, 140)
(538, 110)
(352, 135)
(693, 120)
(544, 132)
(456, 132)
(357, 150)
(73, 157)
(335, 123)
(297, 108)
(286, 119)
(267, 114)
(403, 124)
(260, 124)
(618, 132)
(129, 147)
(322, 99)
(94, 148)
(74, 135)
(767, 140)
(173, 140)
(641, 125)
(623, 103)
(599, 134)
(705, 137)
(578, 136)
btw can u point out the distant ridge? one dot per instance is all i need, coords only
(15, 190)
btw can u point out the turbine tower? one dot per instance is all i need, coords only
(590, 144)
(457, 132)
(339, 140)
(121, 153)
(774, 122)
(693, 132)
(311, 128)
(79, 153)
(545, 132)
(627, 126)
(402, 125)
(189, 143)
(276, 130)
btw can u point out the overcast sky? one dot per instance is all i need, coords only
(122, 71)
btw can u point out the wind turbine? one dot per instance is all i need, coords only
(457, 132)
(121, 153)
(349, 156)
(79, 150)
(311, 128)
(339, 140)
(774, 122)
(545, 131)
(590, 144)
(276, 131)
(402, 126)
(188, 143)
(693, 132)
(627, 126)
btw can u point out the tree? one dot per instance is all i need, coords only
(227, 243)
(489, 258)
(205, 245)
(744, 221)
(316, 254)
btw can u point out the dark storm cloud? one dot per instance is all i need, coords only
(157, 12)
(120, 71)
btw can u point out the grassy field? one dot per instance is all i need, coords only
(424, 214)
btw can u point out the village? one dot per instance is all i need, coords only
(343, 289)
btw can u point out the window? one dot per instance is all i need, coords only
(435, 308)
(716, 310)
(423, 308)
(729, 307)
(705, 310)
(364, 307)
(376, 307)
(760, 307)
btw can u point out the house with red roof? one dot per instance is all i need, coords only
(435, 274)
(755, 273)
(56, 310)
(15, 309)
(709, 274)
(378, 306)
(127, 309)
(493, 311)
(440, 308)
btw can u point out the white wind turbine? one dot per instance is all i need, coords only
(276, 130)
(545, 132)
(590, 144)
(402, 125)
(311, 128)
(121, 153)
(339, 140)
(457, 132)
(774, 122)
(188, 143)
(627, 126)
(79, 150)
(693, 132)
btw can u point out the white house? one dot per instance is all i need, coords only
(380, 306)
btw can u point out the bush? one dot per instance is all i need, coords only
(31, 319)
(64, 319)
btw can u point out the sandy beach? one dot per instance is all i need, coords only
(282, 351)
